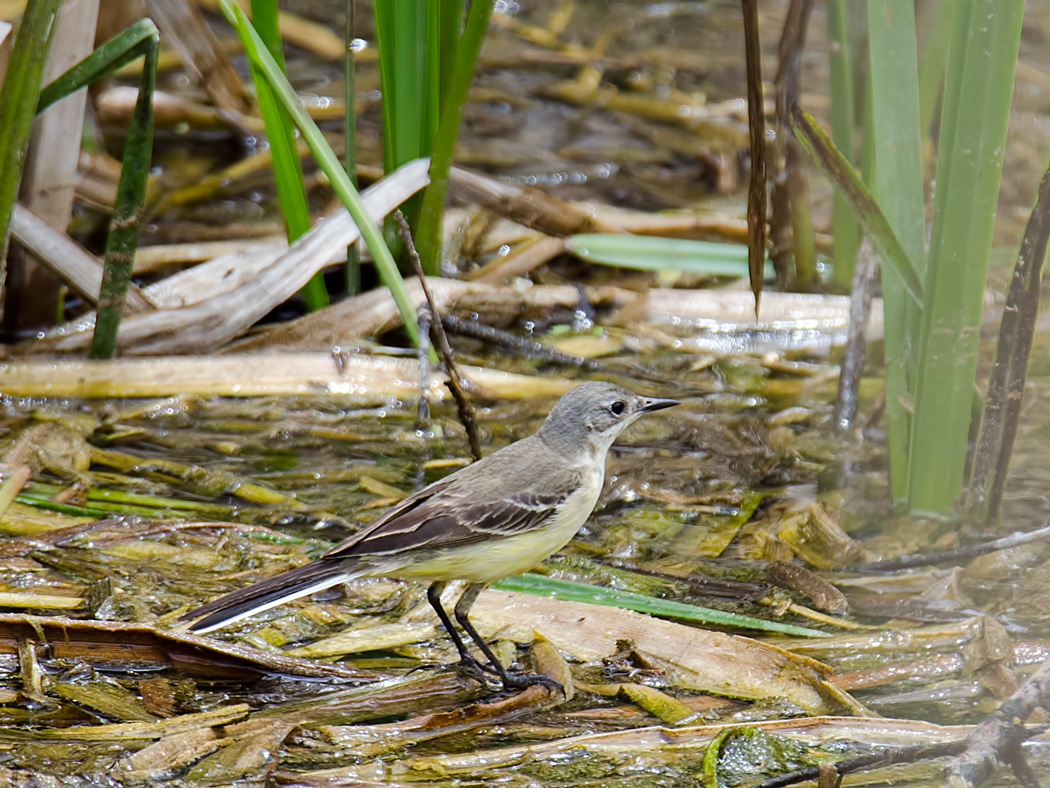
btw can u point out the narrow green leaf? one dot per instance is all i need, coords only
(18, 99)
(840, 67)
(287, 171)
(61, 508)
(826, 156)
(401, 38)
(123, 48)
(353, 259)
(449, 38)
(933, 62)
(428, 233)
(653, 253)
(123, 237)
(103, 495)
(897, 187)
(628, 600)
(328, 162)
(977, 92)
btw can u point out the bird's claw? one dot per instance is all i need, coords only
(471, 668)
(522, 680)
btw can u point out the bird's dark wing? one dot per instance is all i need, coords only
(446, 516)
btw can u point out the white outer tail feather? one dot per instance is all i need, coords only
(321, 585)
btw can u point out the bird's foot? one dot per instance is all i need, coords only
(515, 680)
(481, 672)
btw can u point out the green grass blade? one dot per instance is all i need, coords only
(287, 171)
(18, 100)
(841, 173)
(401, 37)
(897, 187)
(628, 600)
(653, 253)
(123, 237)
(933, 61)
(974, 120)
(448, 35)
(327, 161)
(353, 259)
(428, 233)
(840, 67)
(122, 49)
(61, 508)
(385, 32)
(432, 75)
(101, 495)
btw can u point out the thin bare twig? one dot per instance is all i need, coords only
(956, 556)
(756, 122)
(865, 763)
(853, 358)
(791, 224)
(437, 333)
(1006, 385)
(529, 348)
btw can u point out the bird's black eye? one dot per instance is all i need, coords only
(617, 408)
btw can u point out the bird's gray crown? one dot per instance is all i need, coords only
(591, 415)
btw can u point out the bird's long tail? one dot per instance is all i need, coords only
(244, 602)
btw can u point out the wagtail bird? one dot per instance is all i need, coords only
(498, 517)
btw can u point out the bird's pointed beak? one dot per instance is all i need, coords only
(650, 404)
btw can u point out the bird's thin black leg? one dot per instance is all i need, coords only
(466, 660)
(462, 613)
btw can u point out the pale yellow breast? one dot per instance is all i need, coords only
(486, 561)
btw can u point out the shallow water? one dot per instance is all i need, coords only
(722, 487)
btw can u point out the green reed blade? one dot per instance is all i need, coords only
(428, 234)
(840, 68)
(18, 100)
(401, 38)
(841, 173)
(933, 61)
(119, 51)
(352, 271)
(329, 163)
(974, 119)
(287, 170)
(641, 603)
(123, 237)
(898, 188)
(653, 253)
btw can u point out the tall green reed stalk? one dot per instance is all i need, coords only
(931, 351)
(427, 53)
(840, 71)
(259, 55)
(353, 258)
(18, 100)
(22, 86)
(280, 132)
(898, 189)
(123, 237)
(977, 92)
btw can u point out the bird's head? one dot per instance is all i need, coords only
(593, 414)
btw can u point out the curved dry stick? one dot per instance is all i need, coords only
(999, 736)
